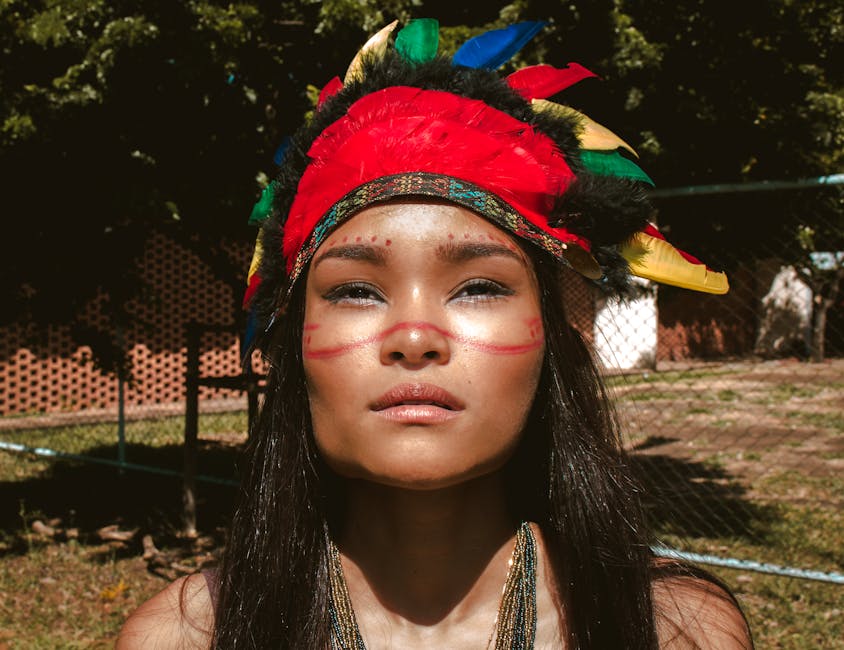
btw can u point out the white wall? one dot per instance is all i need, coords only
(626, 331)
(786, 315)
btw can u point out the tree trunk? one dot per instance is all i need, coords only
(819, 329)
(822, 305)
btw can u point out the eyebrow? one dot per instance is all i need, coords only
(456, 253)
(357, 252)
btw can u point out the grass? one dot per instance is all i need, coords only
(75, 593)
(834, 421)
(156, 432)
(789, 614)
(785, 612)
(670, 377)
(80, 594)
(787, 391)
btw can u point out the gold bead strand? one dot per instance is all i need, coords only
(345, 634)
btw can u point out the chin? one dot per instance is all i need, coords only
(416, 474)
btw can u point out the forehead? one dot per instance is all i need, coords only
(414, 221)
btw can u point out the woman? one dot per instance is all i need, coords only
(436, 464)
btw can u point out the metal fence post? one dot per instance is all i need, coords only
(121, 406)
(191, 430)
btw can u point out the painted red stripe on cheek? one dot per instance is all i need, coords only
(481, 346)
(492, 348)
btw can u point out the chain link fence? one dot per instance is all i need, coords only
(737, 438)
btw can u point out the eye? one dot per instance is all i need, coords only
(481, 291)
(355, 293)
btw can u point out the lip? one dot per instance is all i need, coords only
(417, 395)
(417, 404)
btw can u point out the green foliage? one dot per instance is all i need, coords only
(367, 15)
(121, 117)
(741, 91)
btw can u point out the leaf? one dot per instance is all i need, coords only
(418, 41)
(112, 593)
(494, 48)
(612, 163)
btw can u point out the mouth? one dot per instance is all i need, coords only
(418, 395)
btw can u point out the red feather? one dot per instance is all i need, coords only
(543, 81)
(329, 90)
(651, 230)
(254, 283)
(403, 129)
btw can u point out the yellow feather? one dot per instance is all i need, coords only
(593, 136)
(656, 259)
(256, 259)
(374, 47)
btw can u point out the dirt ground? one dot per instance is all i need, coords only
(754, 418)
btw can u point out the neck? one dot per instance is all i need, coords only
(427, 556)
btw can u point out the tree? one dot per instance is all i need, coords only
(119, 117)
(746, 92)
(122, 116)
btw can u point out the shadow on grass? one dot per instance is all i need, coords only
(695, 499)
(682, 497)
(88, 496)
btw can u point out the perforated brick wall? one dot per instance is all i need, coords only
(48, 373)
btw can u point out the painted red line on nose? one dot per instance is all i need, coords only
(490, 348)
(310, 326)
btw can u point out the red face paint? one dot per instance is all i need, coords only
(534, 331)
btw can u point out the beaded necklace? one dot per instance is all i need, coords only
(515, 622)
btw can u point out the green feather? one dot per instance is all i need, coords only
(261, 210)
(418, 41)
(612, 163)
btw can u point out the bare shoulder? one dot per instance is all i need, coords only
(693, 612)
(179, 616)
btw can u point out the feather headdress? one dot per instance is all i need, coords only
(406, 122)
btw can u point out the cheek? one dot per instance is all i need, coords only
(327, 387)
(513, 336)
(510, 384)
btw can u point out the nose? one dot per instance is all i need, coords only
(416, 344)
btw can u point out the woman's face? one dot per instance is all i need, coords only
(422, 345)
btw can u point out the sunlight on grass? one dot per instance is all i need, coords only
(786, 612)
(670, 377)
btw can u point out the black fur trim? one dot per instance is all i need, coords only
(603, 209)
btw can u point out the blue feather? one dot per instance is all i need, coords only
(494, 48)
(281, 151)
(249, 333)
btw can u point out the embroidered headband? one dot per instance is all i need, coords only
(406, 123)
